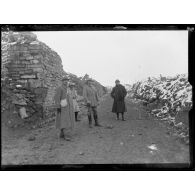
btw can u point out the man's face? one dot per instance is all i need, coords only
(117, 82)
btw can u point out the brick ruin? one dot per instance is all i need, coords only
(34, 72)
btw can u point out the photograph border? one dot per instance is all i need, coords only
(116, 27)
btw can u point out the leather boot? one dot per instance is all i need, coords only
(123, 119)
(76, 117)
(117, 116)
(90, 121)
(96, 121)
(62, 134)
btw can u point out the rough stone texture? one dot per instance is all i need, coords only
(35, 67)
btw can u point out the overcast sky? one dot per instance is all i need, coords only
(125, 55)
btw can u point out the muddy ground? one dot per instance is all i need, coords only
(127, 142)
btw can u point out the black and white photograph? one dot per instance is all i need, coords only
(95, 97)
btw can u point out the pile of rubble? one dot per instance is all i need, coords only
(165, 97)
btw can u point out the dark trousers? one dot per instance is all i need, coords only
(92, 110)
(76, 116)
(122, 113)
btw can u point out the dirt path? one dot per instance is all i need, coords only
(126, 142)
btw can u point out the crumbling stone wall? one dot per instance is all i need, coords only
(34, 71)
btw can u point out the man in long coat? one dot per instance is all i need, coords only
(92, 101)
(118, 94)
(65, 114)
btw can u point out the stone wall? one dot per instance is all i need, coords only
(34, 71)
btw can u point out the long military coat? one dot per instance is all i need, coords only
(65, 118)
(118, 94)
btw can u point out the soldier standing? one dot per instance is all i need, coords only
(92, 101)
(118, 94)
(65, 114)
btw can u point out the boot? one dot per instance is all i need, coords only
(123, 119)
(96, 121)
(76, 117)
(62, 134)
(90, 121)
(117, 116)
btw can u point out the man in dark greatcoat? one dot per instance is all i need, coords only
(118, 94)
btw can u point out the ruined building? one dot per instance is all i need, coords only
(34, 71)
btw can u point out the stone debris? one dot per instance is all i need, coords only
(31, 138)
(23, 113)
(151, 152)
(153, 147)
(109, 126)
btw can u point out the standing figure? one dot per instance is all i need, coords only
(92, 101)
(65, 114)
(74, 95)
(118, 94)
